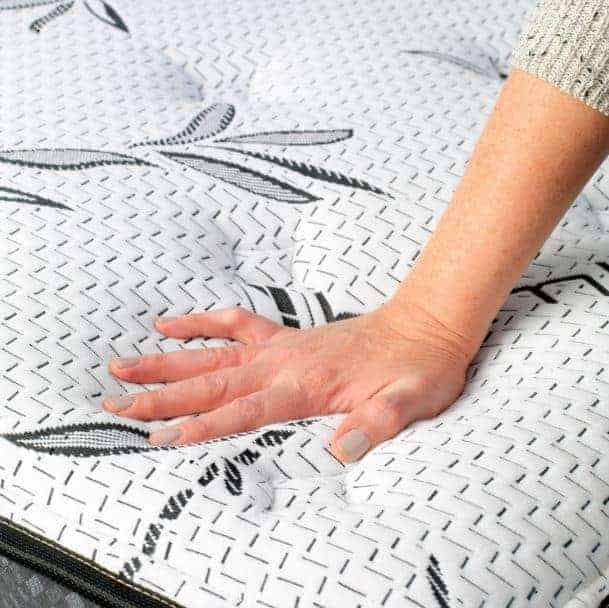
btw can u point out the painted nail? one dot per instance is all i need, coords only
(118, 403)
(353, 445)
(125, 362)
(166, 436)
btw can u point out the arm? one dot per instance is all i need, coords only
(545, 138)
(539, 148)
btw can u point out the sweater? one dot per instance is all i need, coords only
(567, 44)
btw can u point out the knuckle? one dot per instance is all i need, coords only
(236, 315)
(234, 355)
(289, 383)
(156, 363)
(215, 384)
(218, 357)
(152, 408)
(213, 356)
(282, 354)
(389, 414)
(414, 389)
(417, 385)
(251, 410)
(162, 403)
(300, 398)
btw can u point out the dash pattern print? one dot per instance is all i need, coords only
(206, 124)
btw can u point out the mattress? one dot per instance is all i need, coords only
(293, 158)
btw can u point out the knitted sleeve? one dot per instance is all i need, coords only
(567, 44)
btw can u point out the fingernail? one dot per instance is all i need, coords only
(166, 436)
(353, 445)
(119, 403)
(166, 319)
(125, 362)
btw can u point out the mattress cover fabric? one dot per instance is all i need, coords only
(29, 589)
(291, 157)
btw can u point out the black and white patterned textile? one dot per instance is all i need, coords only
(291, 157)
(23, 588)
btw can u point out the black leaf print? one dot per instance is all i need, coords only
(436, 582)
(171, 511)
(16, 196)
(243, 177)
(233, 482)
(276, 437)
(84, 440)
(248, 457)
(312, 171)
(207, 123)
(64, 159)
(232, 478)
(150, 539)
(291, 138)
(538, 288)
(328, 312)
(107, 14)
(464, 63)
(211, 472)
(176, 504)
(60, 9)
(6, 5)
(341, 316)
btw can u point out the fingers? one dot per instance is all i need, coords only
(377, 419)
(178, 365)
(273, 404)
(190, 396)
(236, 323)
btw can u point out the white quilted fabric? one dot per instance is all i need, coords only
(159, 157)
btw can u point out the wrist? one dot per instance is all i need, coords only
(411, 317)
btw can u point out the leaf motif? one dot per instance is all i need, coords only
(291, 138)
(464, 63)
(65, 159)
(276, 437)
(6, 5)
(233, 481)
(61, 9)
(436, 582)
(318, 173)
(207, 123)
(228, 470)
(107, 14)
(16, 196)
(243, 177)
(175, 505)
(341, 316)
(84, 440)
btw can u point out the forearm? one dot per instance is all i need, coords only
(539, 148)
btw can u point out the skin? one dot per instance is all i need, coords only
(407, 360)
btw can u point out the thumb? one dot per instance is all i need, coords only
(379, 418)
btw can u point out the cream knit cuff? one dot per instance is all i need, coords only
(567, 45)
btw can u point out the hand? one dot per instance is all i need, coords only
(384, 369)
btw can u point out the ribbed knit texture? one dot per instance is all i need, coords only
(567, 45)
